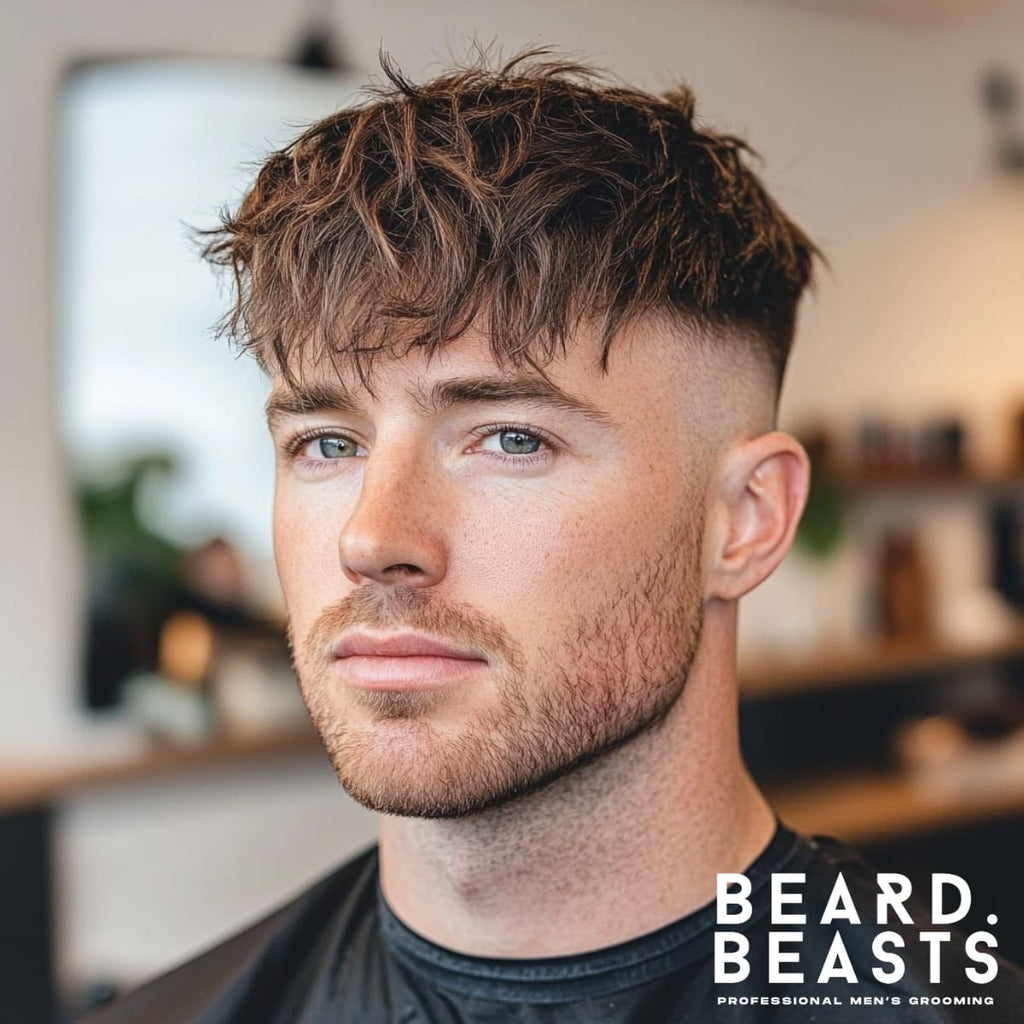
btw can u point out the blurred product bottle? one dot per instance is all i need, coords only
(905, 605)
(1006, 528)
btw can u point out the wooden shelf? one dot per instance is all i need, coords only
(859, 808)
(26, 782)
(773, 676)
(921, 482)
(869, 808)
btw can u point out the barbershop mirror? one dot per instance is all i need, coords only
(161, 421)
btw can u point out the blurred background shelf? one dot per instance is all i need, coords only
(868, 808)
(860, 807)
(774, 675)
(903, 483)
(28, 782)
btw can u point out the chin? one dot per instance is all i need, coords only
(409, 769)
(402, 754)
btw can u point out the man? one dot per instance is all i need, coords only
(526, 332)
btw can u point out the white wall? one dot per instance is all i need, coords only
(153, 872)
(872, 135)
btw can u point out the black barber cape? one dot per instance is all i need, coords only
(338, 955)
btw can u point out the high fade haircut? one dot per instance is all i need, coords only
(525, 200)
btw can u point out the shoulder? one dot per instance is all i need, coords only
(268, 956)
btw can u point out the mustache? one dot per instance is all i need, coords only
(403, 608)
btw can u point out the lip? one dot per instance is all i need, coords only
(402, 662)
(399, 645)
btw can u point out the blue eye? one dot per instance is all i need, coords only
(336, 447)
(518, 442)
(511, 441)
(311, 451)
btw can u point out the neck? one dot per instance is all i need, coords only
(614, 850)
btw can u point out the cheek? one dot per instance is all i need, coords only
(306, 554)
(541, 566)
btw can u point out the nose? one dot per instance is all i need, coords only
(394, 533)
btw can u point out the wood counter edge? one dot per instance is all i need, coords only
(872, 808)
(857, 808)
(29, 782)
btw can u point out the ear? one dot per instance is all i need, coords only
(760, 496)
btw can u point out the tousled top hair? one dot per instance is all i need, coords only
(526, 200)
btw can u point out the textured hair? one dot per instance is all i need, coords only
(524, 200)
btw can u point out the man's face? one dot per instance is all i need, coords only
(548, 538)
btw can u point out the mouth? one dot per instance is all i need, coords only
(403, 662)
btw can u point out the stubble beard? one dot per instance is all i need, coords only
(619, 673)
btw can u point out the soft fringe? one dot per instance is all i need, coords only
(521, 199)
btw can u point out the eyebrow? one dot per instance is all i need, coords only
(336, 397)
(309, 398)
(467, 390)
